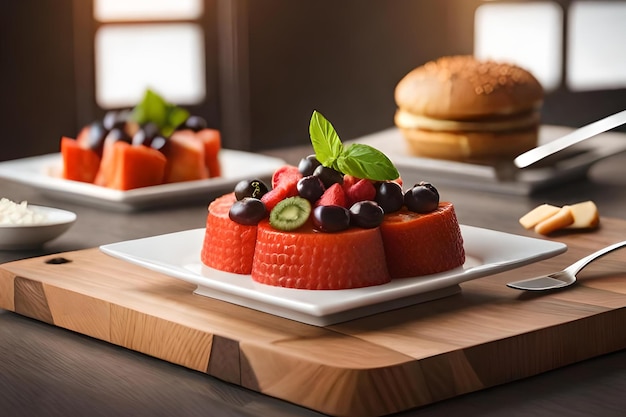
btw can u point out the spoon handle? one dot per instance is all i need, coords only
(540, 152)
(580, 264)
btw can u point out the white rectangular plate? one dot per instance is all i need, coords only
(43, 172)
(178, 255)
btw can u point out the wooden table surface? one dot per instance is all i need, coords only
(45, 370)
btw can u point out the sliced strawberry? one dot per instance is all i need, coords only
(284, 185)
(291, 187)
(361, 191)
(333, 196)
(287, 174)
(349, 181)
(273, 197)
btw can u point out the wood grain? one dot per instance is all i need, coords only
(484, 336)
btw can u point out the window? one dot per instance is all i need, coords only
(597, 56)
(528, 34)
(119, 10)
(576, 44)
(141, 44)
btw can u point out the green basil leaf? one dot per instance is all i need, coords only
(153, 108)
(325, 140)
(364, 161)
(175, 116)
(150, 109)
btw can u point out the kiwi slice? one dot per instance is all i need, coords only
(290, 213)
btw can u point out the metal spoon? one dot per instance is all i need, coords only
(582, 133)
(559, 153)
(565, 277)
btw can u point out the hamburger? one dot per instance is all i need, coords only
(461, 108)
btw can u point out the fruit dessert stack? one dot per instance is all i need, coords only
(154, 143)
(338, 220)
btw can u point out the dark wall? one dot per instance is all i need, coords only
(36, 76)
(340, 57)
(344, 58)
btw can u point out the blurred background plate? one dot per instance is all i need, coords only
(43, 173)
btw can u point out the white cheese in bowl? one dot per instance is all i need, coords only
(12, 213)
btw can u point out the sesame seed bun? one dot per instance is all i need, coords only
(462, 108)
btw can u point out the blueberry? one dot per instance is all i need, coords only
(331, 218)
(366, 214)
(328, 175)
(250, 188)
(96, 136)
(117, 134)
(311, 188)
(160, 143)
(248, 211)
(195, 123)
(307, 165)
(389, 196)
(422, 198)
(115, 119)
(146, 134)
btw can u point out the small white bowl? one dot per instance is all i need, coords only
(31, 236)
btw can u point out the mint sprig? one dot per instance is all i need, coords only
(358, 160)
(153, 108)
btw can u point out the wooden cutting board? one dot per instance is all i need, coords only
(484, 336)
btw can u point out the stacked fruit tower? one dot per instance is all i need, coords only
(338, 220)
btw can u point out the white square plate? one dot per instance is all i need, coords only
(43, 172)
(178, 255)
